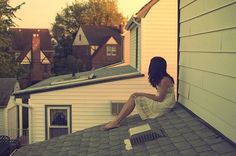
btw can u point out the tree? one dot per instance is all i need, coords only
(8, 66)
(67, 23)
(93, 12)
(7, 13)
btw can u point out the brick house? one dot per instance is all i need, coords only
(33, 50)
(98, 46)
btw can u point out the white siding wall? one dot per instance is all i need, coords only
(159, 35)
(10, 105)
(207, 62)
(133, 47)
(90, 104)
(2, 121)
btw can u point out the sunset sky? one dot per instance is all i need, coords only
(41, 13)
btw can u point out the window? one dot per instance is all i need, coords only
(111, 50)
(116, 107)
(58, 121)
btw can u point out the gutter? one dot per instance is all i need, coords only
(79, 83)
(131, 21)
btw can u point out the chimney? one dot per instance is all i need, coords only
(36, 73)
(121, 28)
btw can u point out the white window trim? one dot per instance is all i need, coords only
(112, 51)
(49, 117)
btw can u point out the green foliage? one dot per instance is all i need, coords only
(92, 12)
(8, 65)
(7, 13)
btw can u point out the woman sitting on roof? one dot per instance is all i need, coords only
(150, 105)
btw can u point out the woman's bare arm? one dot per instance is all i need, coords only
(164, 84)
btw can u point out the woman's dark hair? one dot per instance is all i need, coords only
(157, 70)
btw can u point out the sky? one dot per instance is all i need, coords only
(41, 13)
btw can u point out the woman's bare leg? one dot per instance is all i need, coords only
(125, 111)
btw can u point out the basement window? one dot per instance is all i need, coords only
(116, 107)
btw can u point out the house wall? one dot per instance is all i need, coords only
(159, 35)
(100, 58)
(207, 75)
(10, 106)
(83, 41)
(90, 104)
(2, 127)
(126, 47)
(82, 53)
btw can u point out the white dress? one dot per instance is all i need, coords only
(148, 108)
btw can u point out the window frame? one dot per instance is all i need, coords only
(112, 51)
(116, 107)
(47, 119)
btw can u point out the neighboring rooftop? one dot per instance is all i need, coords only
(22, 38)
(185, 135)
(7, 86)
(97, 35)
(100, 75)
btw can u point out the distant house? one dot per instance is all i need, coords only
(33, 50)
(98, 46)
(153, 32)
(207, 60)
(9, 111)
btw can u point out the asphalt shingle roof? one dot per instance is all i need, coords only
(185, 135)
(22, 38)
(97, 35)
(7, 86)
(106, 74)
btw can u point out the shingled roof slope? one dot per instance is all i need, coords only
(97, 35)
(7, 86)
(22, 38)
(101, 75)
(185, 135)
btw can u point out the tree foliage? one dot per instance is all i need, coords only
(68, 21)
(92, 12)
(7, 13)
(8, 66)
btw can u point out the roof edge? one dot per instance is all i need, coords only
(145, 9)
(83, 83)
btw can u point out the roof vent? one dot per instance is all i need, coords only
(144, 133)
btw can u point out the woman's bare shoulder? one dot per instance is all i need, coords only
(167, 81)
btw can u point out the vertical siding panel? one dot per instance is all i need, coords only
(207, 61)
(132, 47)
